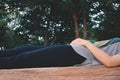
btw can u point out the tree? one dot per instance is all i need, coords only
(8, 14)
(109, 27)
(78, 10)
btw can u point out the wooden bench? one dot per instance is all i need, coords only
(62, 73)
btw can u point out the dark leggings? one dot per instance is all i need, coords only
(39, 56)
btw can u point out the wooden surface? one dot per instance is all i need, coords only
(62, 73)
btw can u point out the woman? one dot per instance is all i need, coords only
(79, 52)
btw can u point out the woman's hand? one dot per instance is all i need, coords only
(80, 41)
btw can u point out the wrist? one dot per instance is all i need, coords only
(88, 43)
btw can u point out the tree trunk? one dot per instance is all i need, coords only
(46, 37)
(84, 25)
(75, 19)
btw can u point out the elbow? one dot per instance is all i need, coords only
(109, 64)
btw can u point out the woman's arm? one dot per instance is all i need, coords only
(104, 58)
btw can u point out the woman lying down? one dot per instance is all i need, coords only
(79, 52)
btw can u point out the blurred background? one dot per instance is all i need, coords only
(53, 22)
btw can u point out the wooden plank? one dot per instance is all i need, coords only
(62, 73)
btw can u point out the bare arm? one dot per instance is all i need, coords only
(104, 58)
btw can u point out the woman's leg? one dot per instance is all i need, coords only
(52, 56)
(19, 49)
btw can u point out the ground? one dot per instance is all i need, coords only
(62, 73)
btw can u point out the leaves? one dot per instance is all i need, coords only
(30, 21)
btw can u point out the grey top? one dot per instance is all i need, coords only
(111, 50)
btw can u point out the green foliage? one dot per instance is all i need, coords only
(36, 21)
(109, 28)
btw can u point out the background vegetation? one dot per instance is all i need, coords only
(50, 22)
